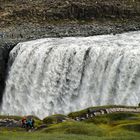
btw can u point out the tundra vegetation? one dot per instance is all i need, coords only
(107, 126)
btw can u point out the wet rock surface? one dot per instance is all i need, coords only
(4, 55)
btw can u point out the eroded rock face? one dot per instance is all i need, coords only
(44, 10)
(93, 10)
(4, 54)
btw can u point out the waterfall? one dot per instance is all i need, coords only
(61, 75)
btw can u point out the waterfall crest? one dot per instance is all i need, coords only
(60, 75)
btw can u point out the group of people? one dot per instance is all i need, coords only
(28, 123)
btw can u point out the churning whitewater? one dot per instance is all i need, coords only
(61, 75)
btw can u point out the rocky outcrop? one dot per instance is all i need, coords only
(9, 123)
(4, 53)
(98, 112)
(27, 20)
(45, 10)
(93, 10)
(113, 110)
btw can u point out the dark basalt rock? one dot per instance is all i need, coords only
(9, 123)
(42, 11)
(5, 48)
(93, 10)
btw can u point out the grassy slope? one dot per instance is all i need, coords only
(74, 131)
(115, 126)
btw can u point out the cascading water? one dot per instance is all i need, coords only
(60, 75)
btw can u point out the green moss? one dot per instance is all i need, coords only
(114, 118)
(108, 126)
(12, 129)
(121, 134)
(126, 128)
(131, 127)
(54, 119)
(11, 117)
(72, 127)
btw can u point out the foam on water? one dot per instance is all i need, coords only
(61, 75)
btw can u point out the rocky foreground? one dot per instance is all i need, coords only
(90, 113)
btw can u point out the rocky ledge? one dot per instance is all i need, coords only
(98, 112)
(9, 123)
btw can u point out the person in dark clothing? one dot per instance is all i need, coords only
(28, 123)
(32, 123)
(23, 121)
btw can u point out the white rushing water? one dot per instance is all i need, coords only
(61, 75)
